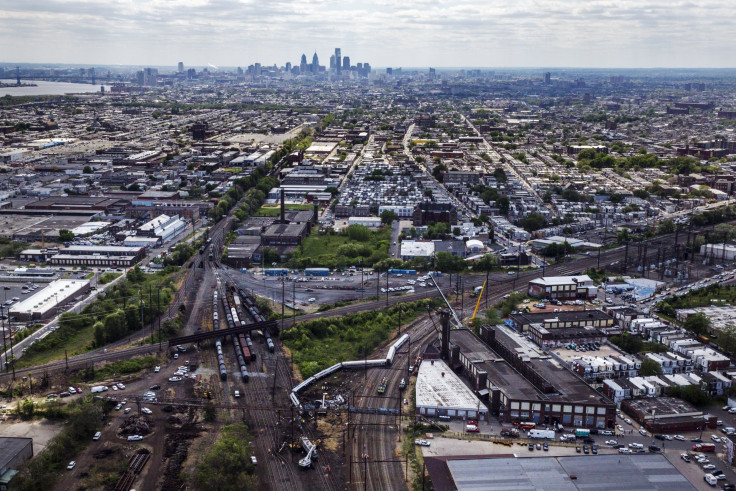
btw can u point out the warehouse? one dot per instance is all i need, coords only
(523, 383)
(667, 415)
(98, 256)
(13, 453)
(45, 303)
(163, 226)
(504, 472)
(563, 287)
(441, 393)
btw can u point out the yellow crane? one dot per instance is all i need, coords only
(480, 295)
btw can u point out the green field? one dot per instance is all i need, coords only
(332, 250)
(274, 210)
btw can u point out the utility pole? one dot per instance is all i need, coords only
(158, 308)
(283, 300)
(150, 309)
(387, 273)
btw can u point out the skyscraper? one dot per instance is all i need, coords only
(332, 62)
(181, 67)
(315, 63)
(346, 63)
(338, 60)
(303, 64)
(547, 77)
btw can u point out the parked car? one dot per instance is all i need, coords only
(685, 457)
(421, 443)
(135, 438)
(71, 465)
(145, 410)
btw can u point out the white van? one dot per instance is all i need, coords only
(710, 479)
(97, 436)
(237, 393)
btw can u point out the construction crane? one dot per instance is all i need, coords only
(480, 295)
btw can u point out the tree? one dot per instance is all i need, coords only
(698, 323)
(447, 263)
(532, 222)
(666, 227)
(650, 367)
(641, 193)
(87, 169)
(270, 255)
(134, 187)
(503, 204)
(438, 170)
(66, 235)
(456, 231)
(388, 217)
(500, 175)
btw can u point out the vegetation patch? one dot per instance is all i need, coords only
(227, 466)
(319, 344)
(351, 246)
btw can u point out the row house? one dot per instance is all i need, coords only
(671, 362)
(596, 367)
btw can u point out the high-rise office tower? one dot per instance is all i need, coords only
(547, 77)
(181, 67)
(346, 63)
(303, 64)
(332, 62)
(287, 67)
(315, 63)
(338, 60)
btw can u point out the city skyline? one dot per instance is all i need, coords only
(529, 33)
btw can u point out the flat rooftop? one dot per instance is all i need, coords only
(56, 293)
(500, 373)
(601, 472)
(569, 387)
(438, 386)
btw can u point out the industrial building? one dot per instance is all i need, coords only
(163, 226)
(13, 453)
(504, 472)
(668, 415)
(426, 213)
(45, 303)
(563, 287)
(522, 321)
(98, 256)
(439, 392)
(522, 382)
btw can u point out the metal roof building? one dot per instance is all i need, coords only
(439, 392)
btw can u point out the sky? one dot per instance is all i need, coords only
(397, 33)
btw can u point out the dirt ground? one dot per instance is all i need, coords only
(40, 431)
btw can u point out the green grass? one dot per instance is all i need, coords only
(274, 211)
(106, 278)
(318, 344)
(332, 250)
(76, 344)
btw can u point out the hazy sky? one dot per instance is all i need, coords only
(571, 33)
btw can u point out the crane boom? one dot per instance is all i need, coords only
(480, 295)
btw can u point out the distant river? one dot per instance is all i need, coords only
(47, 88)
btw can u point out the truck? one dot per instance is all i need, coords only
(704, 447)
(582, 432)
(99, 388)
(509, 432)
(527, 425)
(543, 434)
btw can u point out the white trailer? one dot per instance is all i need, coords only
(542, 434)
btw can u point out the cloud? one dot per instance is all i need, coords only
(382, 32)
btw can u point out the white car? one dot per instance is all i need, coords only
(135, 438)
(421, 443)
(157, 369)
(667, 437)
(127, 410)
(121, 386)
(732, 410)
(174, 379)
(114, 387)
(611, 442)
(253, 460)
(627, 421)
(636, 445)
(643, 431)
(145, 410)
(624, 450)
(620, 428)
(71, 390)
(71, 465)
(679, 438)
(715, 438)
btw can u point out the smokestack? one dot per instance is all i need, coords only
(283, 207)
(445, 323)
(316, 213)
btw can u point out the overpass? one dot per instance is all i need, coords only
(200, 336)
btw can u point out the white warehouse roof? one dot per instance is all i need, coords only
(438, 387)
(57, 292)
